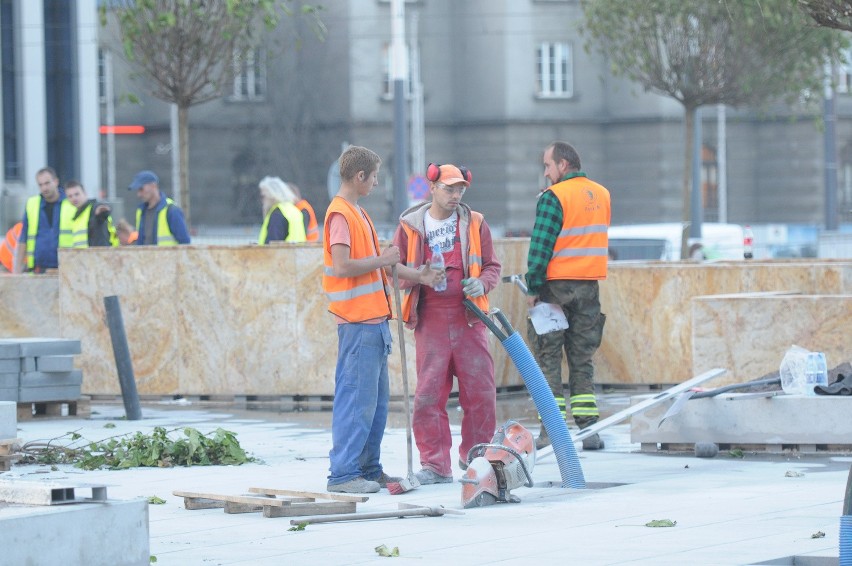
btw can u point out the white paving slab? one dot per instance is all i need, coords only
(728, 510)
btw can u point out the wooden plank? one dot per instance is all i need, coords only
(321, 508)
(8, 444)
(310, 494)
(193, 503)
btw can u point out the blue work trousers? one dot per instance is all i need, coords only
(361, 395)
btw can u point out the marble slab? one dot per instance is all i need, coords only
(250, 320)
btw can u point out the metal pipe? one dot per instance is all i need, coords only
(123, 364)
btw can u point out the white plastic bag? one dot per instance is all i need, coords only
(794, 371)
(547, 317)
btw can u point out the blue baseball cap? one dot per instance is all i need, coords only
(143, 178)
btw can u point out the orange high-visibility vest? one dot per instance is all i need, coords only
(367, 296)
(312, 229)
(414, 258)
(581, 248)
(8, 246)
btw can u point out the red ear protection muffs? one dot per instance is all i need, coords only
(433, 172)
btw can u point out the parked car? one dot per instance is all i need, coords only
(663, 241)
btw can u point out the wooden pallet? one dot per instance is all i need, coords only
(78, 408)
(7, 456)
(290, 504)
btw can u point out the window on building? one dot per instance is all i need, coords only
(555, 73)
(8, 55)
(250, 75)
(844, 73)
(387, 68)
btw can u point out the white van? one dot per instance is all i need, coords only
(662, 241)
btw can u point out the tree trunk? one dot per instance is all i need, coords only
(689, 121)
(183, 148)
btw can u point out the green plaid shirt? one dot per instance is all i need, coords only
(548, 225)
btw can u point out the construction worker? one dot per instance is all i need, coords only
(310, 217)
(450, 341)
(356, 285)
(47, 226)
(282, 221)
(8, 247)
(159, 221)
(567, 257)
(92, 221)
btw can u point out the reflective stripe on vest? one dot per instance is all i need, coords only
(414, 259)
(66, 222)
(80, 228)
(295, 223)
(312, 230)
(164, 234)
(580, 251)
(366, 296)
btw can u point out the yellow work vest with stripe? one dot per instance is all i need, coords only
(66, 222)
(366, 296)
(312, 231)
(80, 229)
(581, 247)
(295, 223)
(414, 258)
(164, 234)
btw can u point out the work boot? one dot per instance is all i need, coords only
(427, 477)
(462, 464)
(593, 442)
(358, 485)
(384, 479)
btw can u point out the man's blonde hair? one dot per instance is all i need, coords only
(355, 159)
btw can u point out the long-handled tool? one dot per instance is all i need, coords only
(411, 481)
(405, 510)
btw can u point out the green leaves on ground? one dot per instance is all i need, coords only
(384, 551)
(298, 527)
(157, 449)
(661, 523)
(154, 500)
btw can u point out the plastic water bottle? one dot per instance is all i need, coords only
(822, 370)
(438, 263)
(748, 242)
(811, 372)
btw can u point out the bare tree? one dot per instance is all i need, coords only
(835, 14)
(739, 52)
(190, 49)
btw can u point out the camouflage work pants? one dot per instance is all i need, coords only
(580, 301)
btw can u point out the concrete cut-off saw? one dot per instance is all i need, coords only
(495, 468)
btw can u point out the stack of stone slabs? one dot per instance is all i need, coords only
(39, 369)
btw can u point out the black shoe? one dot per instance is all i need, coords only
(842, 386)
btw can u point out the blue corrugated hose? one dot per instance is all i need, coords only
(551, 417)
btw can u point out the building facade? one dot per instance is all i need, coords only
(500, 79)
(48, 84)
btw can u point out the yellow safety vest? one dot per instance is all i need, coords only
(295, 223)
(164, 234)
(66, 221)
(80, 229)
